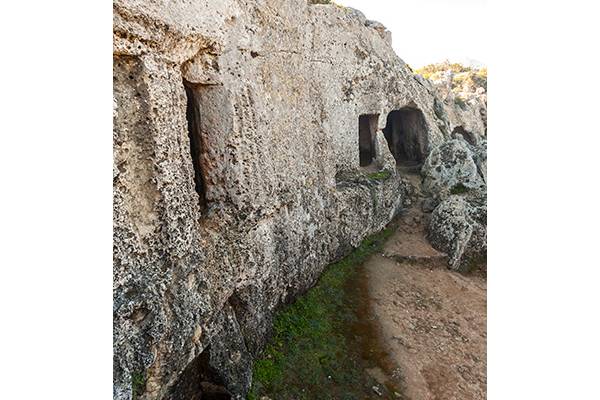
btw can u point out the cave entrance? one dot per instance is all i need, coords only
(199, 381)
(406, 134)
(367, 129)
(193, 117)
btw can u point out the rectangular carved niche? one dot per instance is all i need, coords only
(367, 128)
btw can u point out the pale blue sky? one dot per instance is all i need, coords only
(427, 31)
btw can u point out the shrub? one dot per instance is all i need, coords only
(463, 77)
(380, 176)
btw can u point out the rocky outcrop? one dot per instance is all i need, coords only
(464, 86)
(237, 174)
(452, 168)
(458, 227)
(480, 157)
(454, 176)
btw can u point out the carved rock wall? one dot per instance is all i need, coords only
(278, 87)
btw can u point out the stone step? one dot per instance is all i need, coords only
(409, 168)
(435, 261)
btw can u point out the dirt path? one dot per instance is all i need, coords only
(387, 322)
(432, 320)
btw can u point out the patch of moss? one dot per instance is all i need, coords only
(459, 188)
(380, 176)
(460, 102)
(138, 384)
(311, 354)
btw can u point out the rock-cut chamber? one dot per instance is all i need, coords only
(406, 135)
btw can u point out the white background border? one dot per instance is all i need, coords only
(56, 168)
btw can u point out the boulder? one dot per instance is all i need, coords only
(480, 158)
(458, 228)
(451, 169)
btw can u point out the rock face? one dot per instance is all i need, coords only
(237, 174)
(462, 86)
(452, 167)
(454, 176)
(458, 227)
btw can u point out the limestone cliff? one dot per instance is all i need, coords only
(461, 85)
(247, 140)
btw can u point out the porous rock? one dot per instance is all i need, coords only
(458, 227)
(236, 174)
(454, 177)
(451, 167)
(480, 158)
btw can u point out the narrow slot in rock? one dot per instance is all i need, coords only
(193, 116)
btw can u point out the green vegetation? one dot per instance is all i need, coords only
(431, 69)
(463, 78)
(460, 102)
(315, 351)
(380, 176)
(138, 383)
(459, 188)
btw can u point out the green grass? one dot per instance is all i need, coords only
(138, 383)
(380, 176)
(311, 354)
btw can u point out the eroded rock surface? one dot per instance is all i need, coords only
(455, 179)
(462, 86)
(452, 167)
(236, 174)
(458, 227)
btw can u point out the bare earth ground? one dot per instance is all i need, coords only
(432, 320)
(389, 321)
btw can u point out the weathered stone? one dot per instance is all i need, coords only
(229, 355)
(236, 174)
(458, 228)
(450, 169)
(470, 112)
(428, 205)
(454, 176)
(480, 158)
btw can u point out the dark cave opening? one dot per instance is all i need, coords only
(194, 120)
(367, 128)
(199, 381)
(406, 134)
